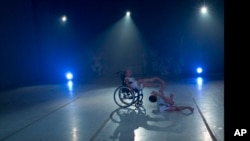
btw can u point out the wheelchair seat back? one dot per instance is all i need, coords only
(123, 79)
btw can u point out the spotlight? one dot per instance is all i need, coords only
(64, 18)
(69, 75)
(199, 70)
(204, 10)
(128, 13)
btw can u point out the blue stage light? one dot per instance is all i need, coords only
(69, 75)
(199, 70)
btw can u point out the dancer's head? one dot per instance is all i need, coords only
(128, 72)
(152, 98)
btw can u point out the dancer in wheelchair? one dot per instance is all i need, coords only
(139, 84)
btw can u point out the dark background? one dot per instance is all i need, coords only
(35, 47)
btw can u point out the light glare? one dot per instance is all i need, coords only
(199, 70)
(70, 86)
(128, 13)
(199, 82)
(69, 75)
(204, 10)
(64, 18)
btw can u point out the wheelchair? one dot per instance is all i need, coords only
(124, 97)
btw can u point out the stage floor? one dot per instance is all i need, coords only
(87, 112)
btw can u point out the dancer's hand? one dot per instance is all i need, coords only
(154, 93)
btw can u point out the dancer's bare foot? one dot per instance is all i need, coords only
(171, 98)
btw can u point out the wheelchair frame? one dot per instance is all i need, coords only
(123, 97)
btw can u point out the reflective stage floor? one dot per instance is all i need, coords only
(87, 112)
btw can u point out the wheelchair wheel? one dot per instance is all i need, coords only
(123, 97)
